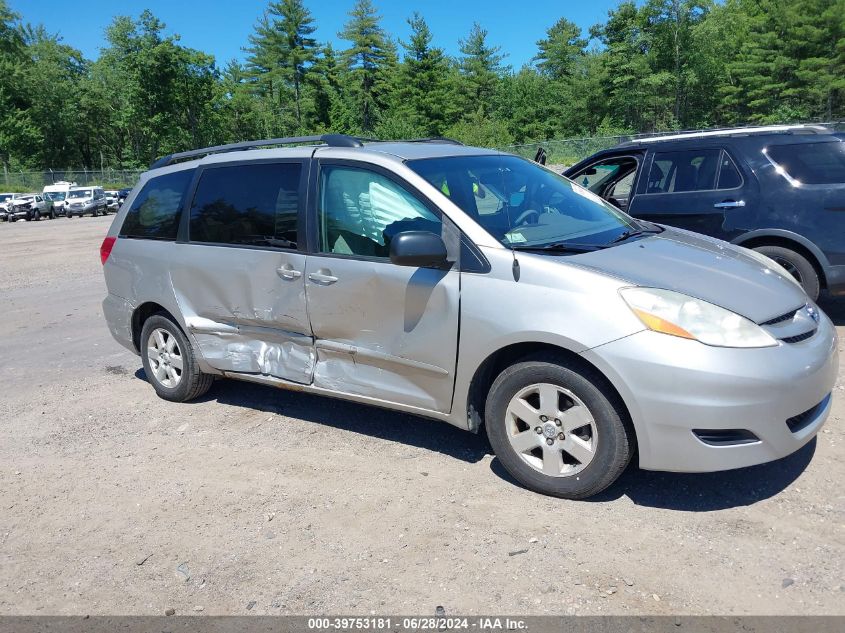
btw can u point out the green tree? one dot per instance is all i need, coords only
(368, 62)
(425, 90)
(560, 49)
(481, 69)
(281, 52)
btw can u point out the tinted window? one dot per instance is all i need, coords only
(521, 203)
(360, 211)
(254, 204)
(811, 163)
(156, 210)
(674, 172)
(729, 177)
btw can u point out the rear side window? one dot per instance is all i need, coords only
(676, 172)
(155, 212)
(729, 177)
(255, 205)
(811, 163)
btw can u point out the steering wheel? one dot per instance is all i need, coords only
(524, 216)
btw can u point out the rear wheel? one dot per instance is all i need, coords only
(170, 361)
(558, 429)
(796, 265)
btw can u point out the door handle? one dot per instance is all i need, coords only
(287, 272)
(322, 278)
(729, 204)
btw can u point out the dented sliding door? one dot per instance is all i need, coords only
(239, 278)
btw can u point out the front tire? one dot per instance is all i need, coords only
(558, 428)
(796, 265)
(170, 361)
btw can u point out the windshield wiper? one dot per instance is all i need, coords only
(629, 233)
(559, 247)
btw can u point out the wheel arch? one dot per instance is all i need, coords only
(486, 373)
(792, 241)
(144, 312)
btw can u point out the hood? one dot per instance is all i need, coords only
(701, 267)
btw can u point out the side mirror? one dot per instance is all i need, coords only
(418, 249)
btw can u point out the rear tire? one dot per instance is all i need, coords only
(170, 361)
(582, 445)
(797, 265)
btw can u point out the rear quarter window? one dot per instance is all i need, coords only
(811, 163)
(156, 210)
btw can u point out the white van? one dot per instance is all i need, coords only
(57, 193)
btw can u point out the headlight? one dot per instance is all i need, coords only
(679, 315)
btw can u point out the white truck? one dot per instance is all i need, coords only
(57, 194)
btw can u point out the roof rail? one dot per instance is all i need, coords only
(333, 140)
(732, 131)
(433, 139)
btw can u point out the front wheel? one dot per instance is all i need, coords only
(796, 265)
(558, 428)
(37, 216)
(170, 361)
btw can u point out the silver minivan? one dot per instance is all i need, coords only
(473, 287)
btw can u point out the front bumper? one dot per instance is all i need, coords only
(672, 386)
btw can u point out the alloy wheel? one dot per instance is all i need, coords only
(551, 430)
(165, 357)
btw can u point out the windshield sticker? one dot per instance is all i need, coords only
(515, 238)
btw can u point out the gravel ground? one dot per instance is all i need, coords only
(254, 500)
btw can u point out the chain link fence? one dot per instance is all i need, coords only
(30, 181)
(560, 153)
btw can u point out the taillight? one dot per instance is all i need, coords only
(105, 248)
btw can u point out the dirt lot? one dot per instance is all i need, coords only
(255, 500)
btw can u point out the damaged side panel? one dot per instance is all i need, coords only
(244, 315)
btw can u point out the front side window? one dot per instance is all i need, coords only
(360, 211)
(811, 163)
(676, 172)
(524, 204)
(155, 212)
(254, 204)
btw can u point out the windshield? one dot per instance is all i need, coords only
(522, 204)
(81, 193)
(55, 195)
(5, 196)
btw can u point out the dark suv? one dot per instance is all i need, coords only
(779, 190)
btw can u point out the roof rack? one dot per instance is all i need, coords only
(733, 131)
(332, 140)
(433, 139)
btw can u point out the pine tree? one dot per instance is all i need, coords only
(282, 49)
(559, 51)
(367, 61)
(481, 68)
(424, 89)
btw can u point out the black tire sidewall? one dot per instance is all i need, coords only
(180, 392)
(811, 282)
(614, 449)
